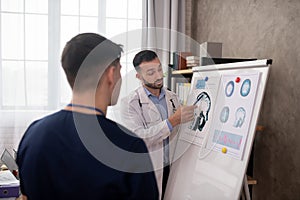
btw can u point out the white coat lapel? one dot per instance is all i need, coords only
(169, 99)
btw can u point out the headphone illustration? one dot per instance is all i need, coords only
(240, 115)
(200, 121)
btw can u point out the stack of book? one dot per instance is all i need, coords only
(179, 60)
(192, 61)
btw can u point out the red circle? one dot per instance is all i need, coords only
(238, 79)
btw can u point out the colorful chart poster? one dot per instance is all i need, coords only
(203, 94)
(233, 113)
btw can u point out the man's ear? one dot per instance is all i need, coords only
(138, 76)
(110, 71)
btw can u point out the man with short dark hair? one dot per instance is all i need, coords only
(77, 153)
(153, 113)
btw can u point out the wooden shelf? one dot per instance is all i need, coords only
(184, 71)
(251, 181)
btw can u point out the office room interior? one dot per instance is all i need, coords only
(33, 33)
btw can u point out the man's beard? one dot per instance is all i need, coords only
(154, 85)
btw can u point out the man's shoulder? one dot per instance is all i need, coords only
(125, 138)
(170, 92)
(120, 129)
(132, 96)
(167, 90)
(45, 121)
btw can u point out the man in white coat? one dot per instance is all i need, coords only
(154, 113)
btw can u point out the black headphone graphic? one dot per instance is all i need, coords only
(199, 121)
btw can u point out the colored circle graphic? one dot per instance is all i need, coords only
(224, 114)
(246, 87)
(229, 88)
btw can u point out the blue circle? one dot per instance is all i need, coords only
(229, 88)
(224, 114)
(246, 87)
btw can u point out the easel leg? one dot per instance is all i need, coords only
(246, 188)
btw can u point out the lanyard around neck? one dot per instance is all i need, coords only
(86, 107)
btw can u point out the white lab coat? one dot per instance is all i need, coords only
(140, 115)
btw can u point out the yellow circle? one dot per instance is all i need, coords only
(224, 150)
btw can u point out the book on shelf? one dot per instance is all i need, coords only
(192, 58)
(182, 90)
(190, 65)
(192, 61)
(179, 60)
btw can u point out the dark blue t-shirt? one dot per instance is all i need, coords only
(66, 156)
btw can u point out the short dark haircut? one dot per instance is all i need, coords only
(143, 56)
(92, 54)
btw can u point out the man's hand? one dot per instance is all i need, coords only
(182, 115)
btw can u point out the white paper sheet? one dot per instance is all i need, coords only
(203, 94)
(233, 113)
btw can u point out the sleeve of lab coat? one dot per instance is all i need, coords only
(132, 118)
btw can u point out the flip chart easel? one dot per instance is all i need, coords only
(202, 168)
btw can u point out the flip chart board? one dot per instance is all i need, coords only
(212, 152)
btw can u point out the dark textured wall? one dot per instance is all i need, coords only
(263, 29)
